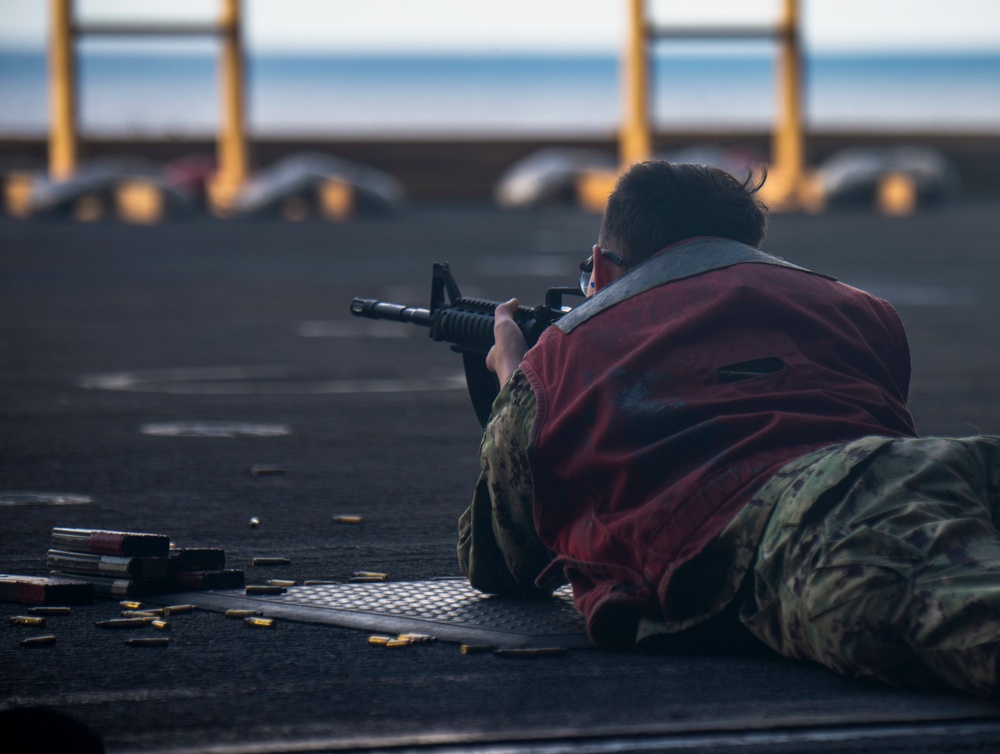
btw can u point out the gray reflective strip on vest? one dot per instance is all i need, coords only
(683, 261)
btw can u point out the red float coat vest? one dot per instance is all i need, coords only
(665, 401)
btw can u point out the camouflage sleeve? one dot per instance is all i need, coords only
(498, 549)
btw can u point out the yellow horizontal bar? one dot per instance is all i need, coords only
(150, 30)
(716, 32)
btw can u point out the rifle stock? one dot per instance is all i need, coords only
(467, 324)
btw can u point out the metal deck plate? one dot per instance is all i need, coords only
(448, 609)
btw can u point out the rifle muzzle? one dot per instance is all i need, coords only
(373, 309)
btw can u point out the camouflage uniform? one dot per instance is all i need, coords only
(876, 558)
(892, 573)
(498, 548)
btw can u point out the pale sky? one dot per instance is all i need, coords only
(496, 26)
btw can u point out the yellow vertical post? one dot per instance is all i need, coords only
(636, 143)
(232, 145)
(62, 91)
(788, 148)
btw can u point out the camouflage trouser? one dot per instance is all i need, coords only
(895, 572)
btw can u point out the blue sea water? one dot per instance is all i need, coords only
(162, 95)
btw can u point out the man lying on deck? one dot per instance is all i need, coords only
(719, 435)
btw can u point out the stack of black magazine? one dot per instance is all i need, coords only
(45, 590)
(134, 564)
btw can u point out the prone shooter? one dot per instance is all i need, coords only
(717, 444)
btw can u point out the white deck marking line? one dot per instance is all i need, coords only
(273, 380)
(11, 499)
(214, 429)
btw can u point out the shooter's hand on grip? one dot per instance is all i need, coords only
(510, 344)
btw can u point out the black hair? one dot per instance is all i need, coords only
(656, 204)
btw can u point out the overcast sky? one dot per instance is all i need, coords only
(487, 26)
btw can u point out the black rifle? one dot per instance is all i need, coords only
(467, 323)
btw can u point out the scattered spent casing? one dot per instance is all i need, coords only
(27, 620)
(261, 469)
(142, 613)
(39, 641)
(379, 641)
(160, 625)
(374, 575)
(416, 638)
(269, 561)
(264, 589)
(241, 613)
(280, 582)
(177, 609)
(124, 623)
(477, 649)
(131, 605)
(49, 610)
(348, 519)
(525, 652)
(254, 522)
(398, 643)
(259, 622)
(151, 641)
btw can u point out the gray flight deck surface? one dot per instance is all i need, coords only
(146, 370)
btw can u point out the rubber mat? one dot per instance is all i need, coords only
(447, 609)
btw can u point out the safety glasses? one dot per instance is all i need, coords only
(587, 267)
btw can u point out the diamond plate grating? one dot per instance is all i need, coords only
(448, 609)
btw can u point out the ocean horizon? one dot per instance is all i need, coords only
(165, 95)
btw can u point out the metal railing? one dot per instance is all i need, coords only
(233, 166)
(787, 170)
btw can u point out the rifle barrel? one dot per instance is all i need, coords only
(373, 309)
